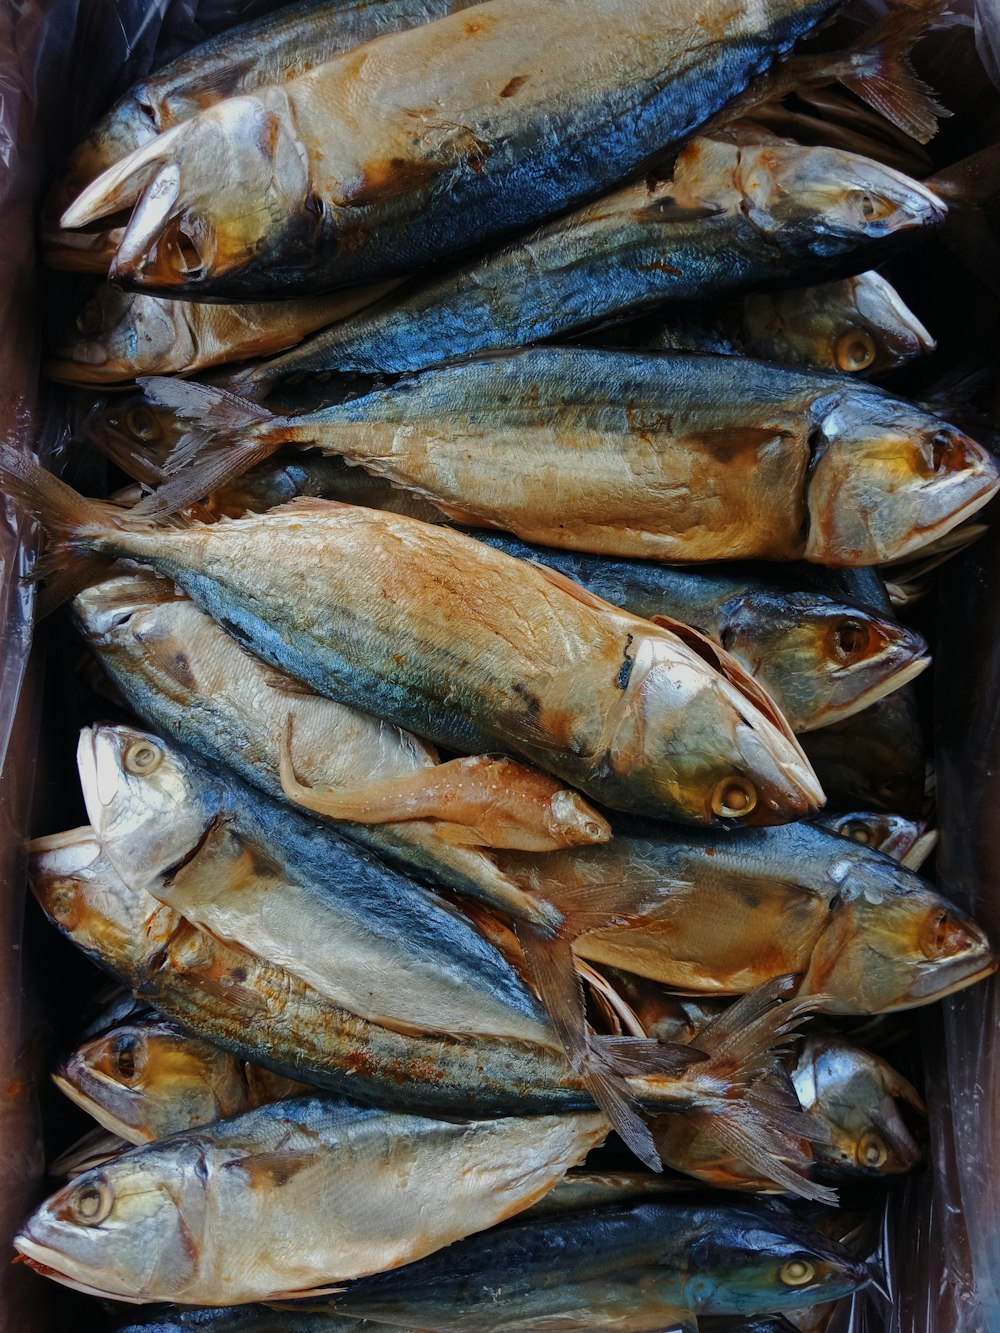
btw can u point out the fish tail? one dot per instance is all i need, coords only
(734, 1096)
(71, 523)
(967, 186)
(885, 79)
(228, 435)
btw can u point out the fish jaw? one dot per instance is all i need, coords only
(888, 480)
(897, 333)
(74, 1080)
(140, 800)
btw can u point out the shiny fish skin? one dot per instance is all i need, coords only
(146, 1080)
(818, 658)
(405, 150)
(272, 49)
(250, 1319)
(192, 682)
(856, 326)
(626, 711)
(262, 1013)
(874, 760)
(732, 215)
(325, 1191)
(863, 931)
(676, 457)
(638, 1269)
(262, 876)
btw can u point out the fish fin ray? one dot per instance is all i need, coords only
(889, 83)
(574, 589)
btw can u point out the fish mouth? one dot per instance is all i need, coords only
(888, 682)
(787, 787)
(932, 986)
(44, 1260)
(94, 1108)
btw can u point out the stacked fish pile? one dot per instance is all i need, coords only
(449, 852)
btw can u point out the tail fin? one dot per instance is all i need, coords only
(228, 436)
(754, 1118)
(885, 78)
(966, 187)
(70, 521)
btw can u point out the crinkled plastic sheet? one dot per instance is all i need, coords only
(62, 63)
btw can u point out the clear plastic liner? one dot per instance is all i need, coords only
(62, 63)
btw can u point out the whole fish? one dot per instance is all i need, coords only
(280, 45)
(731, 215)
(412, 147)
(639, 1269)
(265, 1014)
(859, 325)
(324, 1191)
(675, 457)
(118, 335)
(146, 1080)
(860, 1098)
(187, 678)
(817, 657)
(256, 874)
(715, 915)
(498, 653)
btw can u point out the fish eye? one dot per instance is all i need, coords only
(858, 832)
(141, 423)
(91, 1204)
(871, 1150)
(874, 207)
(849, 640)
(942, 936)
(125, 1059)
(142, 758)
(734, 797)
(854, 351)
(797, 1272)
(90, 320)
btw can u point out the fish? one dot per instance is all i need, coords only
(91, 1150)
(625, 711)
(118, 335)
(817, 656)
(146, 1080)
(674, 456)
(410, 148)
(860, 1098)
(182, 674)
(276, 47)
(249, 1319)
(905, 840)
(252, 872)
(367, 1189)
(266, 1014)
(857, 326)
(640, 1268)
(865, 932)
(729, 216)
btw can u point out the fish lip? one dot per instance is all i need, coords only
(923, 991)
(83, 373)
(889, 684)
(94, 1109)
(38, 1256)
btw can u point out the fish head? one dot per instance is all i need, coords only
(105, 612)
(80, 891)
(826, 201)
(118, 335)
(819, 659)
(745, 1261)
(891, 942)
(887, 479)
(143, 799)
(209, 197)
(131, 1228)
(859, 1097)
(145, 1080)
(711, 743)
(858, 326)
(892, 835)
